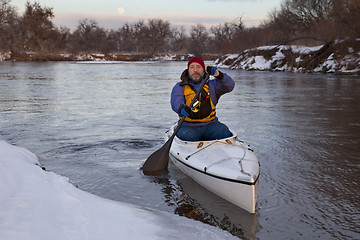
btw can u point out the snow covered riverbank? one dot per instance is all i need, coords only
(37, 204)
(340, 57)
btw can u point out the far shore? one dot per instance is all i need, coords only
(338, 57)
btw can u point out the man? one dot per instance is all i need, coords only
(201, 123)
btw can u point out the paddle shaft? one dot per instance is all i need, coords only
(158, 161)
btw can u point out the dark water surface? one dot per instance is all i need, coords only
(97, 123)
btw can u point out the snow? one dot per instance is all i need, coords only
(330, 64)
(293, 58)
(266, 47)
(222, 63)
(4, 56)
(37, 204)
(260, 63)
(303, 49)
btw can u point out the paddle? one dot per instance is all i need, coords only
(158, 161)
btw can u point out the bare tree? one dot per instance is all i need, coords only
(322, 19)
(179, 39)
(223, 34)
(140, 36)
(88, 37)
(126, 38)
(158, 35)
(37, 29)
(62, 38)
(8, 27)
(199, 38)
(345, 15)
(114, 40)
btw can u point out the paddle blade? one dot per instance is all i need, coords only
(157, 163)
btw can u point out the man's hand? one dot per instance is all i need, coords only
(213, 71)
(184, 111)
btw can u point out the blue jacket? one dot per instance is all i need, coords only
(217, 87)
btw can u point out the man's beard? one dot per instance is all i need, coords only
(197, 76)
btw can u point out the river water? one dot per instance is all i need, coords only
(97, 123)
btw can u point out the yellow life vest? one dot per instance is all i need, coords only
(203, 110)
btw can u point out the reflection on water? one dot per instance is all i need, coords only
(193, 201)
(97, 123)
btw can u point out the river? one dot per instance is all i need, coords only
(97, 123)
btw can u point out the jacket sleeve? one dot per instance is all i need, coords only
(177, 97)
(224, 85)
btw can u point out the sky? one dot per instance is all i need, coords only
(112, 14)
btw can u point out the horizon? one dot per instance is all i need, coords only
(112, 14)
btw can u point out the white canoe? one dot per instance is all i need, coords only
(226, 167)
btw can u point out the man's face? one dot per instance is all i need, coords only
(196, 71)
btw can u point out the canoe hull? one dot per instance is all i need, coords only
(240, 194)
(226, 167)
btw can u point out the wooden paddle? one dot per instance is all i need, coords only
(157, 162)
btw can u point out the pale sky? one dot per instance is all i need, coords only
(112, 14)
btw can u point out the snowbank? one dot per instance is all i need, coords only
(36, 204)
(4, 56)
(341, 57)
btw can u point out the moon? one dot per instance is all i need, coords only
(121, 10)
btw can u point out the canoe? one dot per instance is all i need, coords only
(227, 167)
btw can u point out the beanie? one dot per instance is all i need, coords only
(197, 60)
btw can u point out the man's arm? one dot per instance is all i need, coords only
(177, 98)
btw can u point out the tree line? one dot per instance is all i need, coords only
(302, 20)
